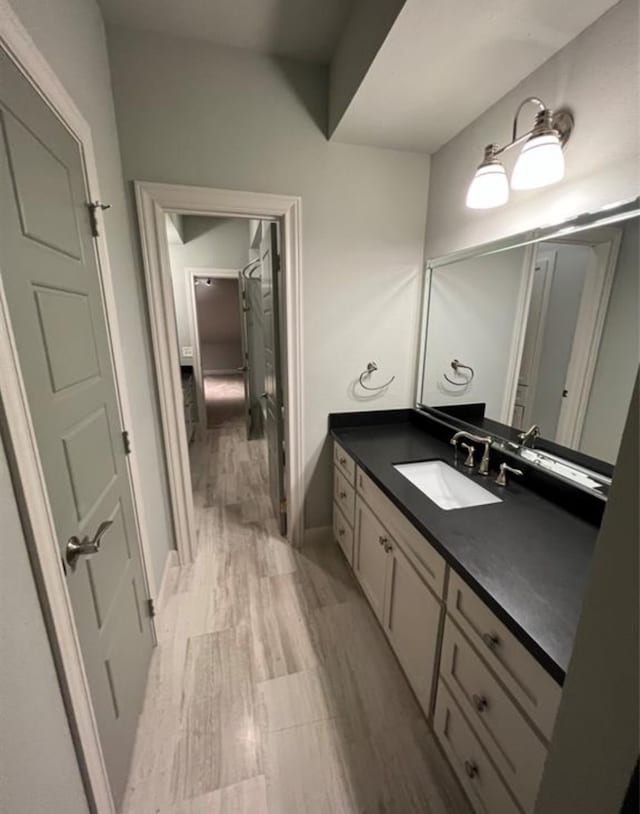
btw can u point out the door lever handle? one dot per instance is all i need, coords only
(81, 548)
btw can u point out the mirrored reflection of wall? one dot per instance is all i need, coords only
(472, 309)
(551, 331)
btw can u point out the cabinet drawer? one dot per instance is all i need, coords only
(344, 463)
(527, 681)
(343, 533)
(418, 548)
(518, 752)
(344, 495)
(478, 776)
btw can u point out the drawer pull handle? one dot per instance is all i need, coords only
(471, 769)
(491, 640)
(383, 540)
(388, 548)
(342, 495)
(343, 461)
(480, 702)
(341, 532)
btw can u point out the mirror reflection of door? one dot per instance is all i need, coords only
(572, 280)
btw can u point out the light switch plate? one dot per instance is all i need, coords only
(187, 350)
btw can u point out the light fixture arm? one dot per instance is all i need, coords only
(559, 120)
(530, 99)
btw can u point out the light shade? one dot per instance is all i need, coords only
(489, 187)
(540, 163)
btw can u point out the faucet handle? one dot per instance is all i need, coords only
(469, 462)
(501, 480)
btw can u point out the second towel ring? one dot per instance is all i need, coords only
(457, 365)
(371, 368)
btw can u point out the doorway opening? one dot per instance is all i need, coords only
(265, 262)
(229, 330)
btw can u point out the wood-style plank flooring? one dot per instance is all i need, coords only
(223, 398)
(272, 688)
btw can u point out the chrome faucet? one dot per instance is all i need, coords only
(528, 438)
(483, 469)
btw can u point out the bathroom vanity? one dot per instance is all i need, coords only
(480, 604)
(469, 527)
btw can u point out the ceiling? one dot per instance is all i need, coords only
(444, 63)
(302, 29)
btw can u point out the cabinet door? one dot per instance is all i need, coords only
(412, 621)
(370, 556)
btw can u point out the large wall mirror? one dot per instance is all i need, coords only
(539, 330)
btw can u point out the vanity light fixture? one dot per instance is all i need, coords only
(540, 163)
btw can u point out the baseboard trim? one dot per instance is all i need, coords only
(170, 563)
(318, 535)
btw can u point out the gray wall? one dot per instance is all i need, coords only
(595, 741)
(70, 34)
(221, 243)
(471, 318)
(253, 123)
(619, 355)
(38, 768)
(596, 72)
(218, 315)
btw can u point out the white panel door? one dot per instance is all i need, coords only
(50, 278)
(274, 422)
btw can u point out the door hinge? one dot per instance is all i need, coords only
(126, 442)
(283, 506)
(151, 608)
(92, 207)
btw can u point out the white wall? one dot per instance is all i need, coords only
(619, 355)
(596, 75)
(254, 123)
(472, 307)
(38, 768)
(70, 34)
(221, 243)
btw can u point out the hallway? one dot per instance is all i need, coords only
(223, 398)
(272, 688)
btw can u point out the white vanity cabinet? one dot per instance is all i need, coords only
(494, 705)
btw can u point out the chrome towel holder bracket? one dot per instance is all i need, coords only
(371, 368)
(457, 365)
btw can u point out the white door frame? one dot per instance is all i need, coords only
(193, 274)
(153, 201)
(27, 472)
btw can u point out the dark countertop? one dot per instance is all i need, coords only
(527, 557)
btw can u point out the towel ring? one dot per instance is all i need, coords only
(457, 365)
(371, 368)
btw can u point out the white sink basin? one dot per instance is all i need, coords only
(446, 486)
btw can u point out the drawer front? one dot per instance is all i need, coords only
(478, 776)
(344, 463)
(518, 752)
(527, 681)
(344, 495)
(417, 548)
(343, 533)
